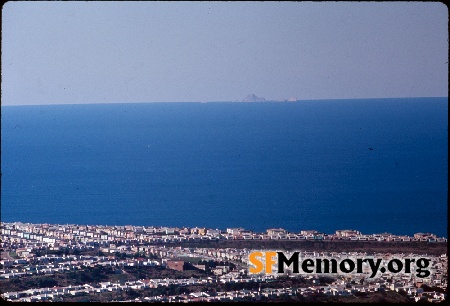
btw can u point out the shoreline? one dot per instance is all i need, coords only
(57, 237)
(237, 233)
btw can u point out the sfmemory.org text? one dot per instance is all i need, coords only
(271, 262)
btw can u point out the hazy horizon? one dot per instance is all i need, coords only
(268, 101)
(145, 52)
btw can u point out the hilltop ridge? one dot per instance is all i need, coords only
(254, 98)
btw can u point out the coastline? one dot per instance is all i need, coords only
(58, 237)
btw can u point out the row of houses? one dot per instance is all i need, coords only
(342, 286)
(26, 242)
(42, 294)
(336, 289)
(49, 233)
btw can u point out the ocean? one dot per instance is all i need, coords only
(374, 165)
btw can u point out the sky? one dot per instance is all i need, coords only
(117, 52)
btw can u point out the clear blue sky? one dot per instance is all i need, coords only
(94, 52)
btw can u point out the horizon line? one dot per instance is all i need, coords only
(226, 101)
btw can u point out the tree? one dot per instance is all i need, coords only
(132, 293)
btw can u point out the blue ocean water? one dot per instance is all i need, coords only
(375, 165)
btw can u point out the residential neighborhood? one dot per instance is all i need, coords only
(134, 256)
